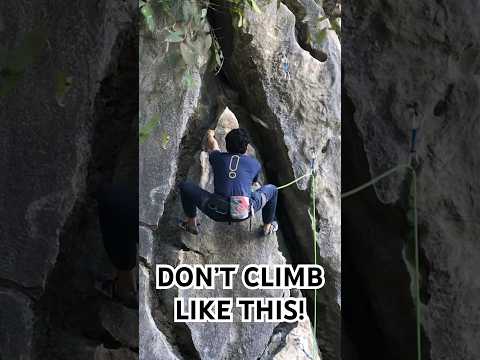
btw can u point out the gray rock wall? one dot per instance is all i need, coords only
(403, 58)
(162, 96)
(301, 113)
(44, 182)
(301, 110)
(228, 244)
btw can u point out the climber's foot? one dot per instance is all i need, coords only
(269, 229)
(189, 226)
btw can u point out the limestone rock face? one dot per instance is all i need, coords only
(418, 63)
(48, 203)
(47, 148)
(218, 243)
(298, 98)
(168, 105)
(299, 344)
(153, 344)
(121, 323)
(221, 243)
(288, 114)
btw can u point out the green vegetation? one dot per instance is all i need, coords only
(321, 28)
(146, 130)
(190, 34)
(189, 29)
(237, 9)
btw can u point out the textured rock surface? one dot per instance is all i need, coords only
(218, 243)
(101, 353)
(121, 323)
(16, 325)
(302, 111)
(48, 203)
(163, 97)
(51, 245)
(299, 344)
(153, 344)
(228, 244)
(424, 56)
(307, 117)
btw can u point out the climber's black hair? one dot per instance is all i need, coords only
(237, 141)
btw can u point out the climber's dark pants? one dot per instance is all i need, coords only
(193, 197)
(265, 198)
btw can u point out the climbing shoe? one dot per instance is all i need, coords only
(188, 228)
(273, 229)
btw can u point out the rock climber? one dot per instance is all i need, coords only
(235, 178)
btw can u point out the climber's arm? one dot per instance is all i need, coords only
(212, 144)
(256, 184)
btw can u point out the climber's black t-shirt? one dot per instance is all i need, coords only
(230, 179)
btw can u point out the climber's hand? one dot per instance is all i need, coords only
(212, 144)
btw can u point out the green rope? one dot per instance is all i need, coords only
(407, 166)
(415, 236)
(293, 182)
(417, 266)
(374, 180)
(314, 230)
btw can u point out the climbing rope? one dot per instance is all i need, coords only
(408, 166)
(413, 192)
(312, 215)
(314, 230)
(294, 181)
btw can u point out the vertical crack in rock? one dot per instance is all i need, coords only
(221, 243)
(231, 244)
(373, 267)
(421, 54)
(218, 243)
(290, 113)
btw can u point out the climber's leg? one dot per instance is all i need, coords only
(193, 197)
(265, 198)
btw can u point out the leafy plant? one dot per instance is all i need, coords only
(321, 29)
(218, 54)
(193, 35)
(146, 130)
(237, 9)
(148, 14)
(190, 31)
(164, 140)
